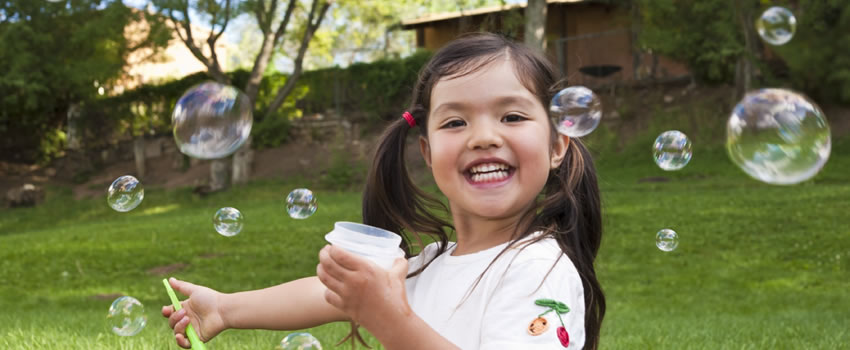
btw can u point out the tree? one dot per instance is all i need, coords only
(57, 55)
(273, 21)
(535, 25)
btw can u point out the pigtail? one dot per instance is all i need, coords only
(391, 201)
(572, 214)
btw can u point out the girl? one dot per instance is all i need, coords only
(525, 212)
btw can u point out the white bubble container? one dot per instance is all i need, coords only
(375, 244)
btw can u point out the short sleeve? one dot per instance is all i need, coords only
(511, 307)
(427, 253)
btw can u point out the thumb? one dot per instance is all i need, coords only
(183, 287)
(399, 268)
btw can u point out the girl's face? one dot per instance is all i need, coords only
(489, 144)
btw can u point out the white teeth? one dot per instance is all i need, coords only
(490, 177)
(482, 168)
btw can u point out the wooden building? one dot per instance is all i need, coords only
(592, 42)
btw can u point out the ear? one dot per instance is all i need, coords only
(425, 149)
(559, 150)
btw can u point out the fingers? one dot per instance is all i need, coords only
(176, 317)
(399, 269)
(180, 327)
(183, 287)
(345, 259)
(331, 282)
(182, 341)
(329, 266)
(334, 299)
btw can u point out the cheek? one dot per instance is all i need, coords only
(443, 154)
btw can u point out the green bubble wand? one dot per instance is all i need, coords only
(196, 342)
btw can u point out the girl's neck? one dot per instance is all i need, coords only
(475, 234)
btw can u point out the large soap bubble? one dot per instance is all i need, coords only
(575, 111)
(777, 25)
(778, 136)
(228, 221)
(300, 341)
(211, 120)
(125, 193)
(126, 316)
(672, 150)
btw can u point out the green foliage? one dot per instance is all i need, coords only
(344, 172)
(816, 58)
(378, 90)
(708, 36)
(272, 132)
(703, 34)
(55, 55)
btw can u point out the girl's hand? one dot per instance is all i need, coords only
(201, 310)
(371, 296)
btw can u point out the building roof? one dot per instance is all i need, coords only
(437, 17)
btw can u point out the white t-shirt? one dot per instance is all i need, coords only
(497, 313)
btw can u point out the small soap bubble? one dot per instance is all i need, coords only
(672, 150)
(778, 137)
(228, 221)
(576, 111)
(300, 203)
(126, 316)
(776, 26)
(125, 193)
(300, 341)
(667, 240)
(211, 120)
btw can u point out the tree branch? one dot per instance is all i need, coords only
(282, 27)
(287, 88)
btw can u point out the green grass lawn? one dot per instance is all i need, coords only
(757, 267)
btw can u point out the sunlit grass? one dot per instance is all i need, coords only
(757, 267)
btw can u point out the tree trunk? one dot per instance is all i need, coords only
(744, 68)
(243, 159)
(219, 171)
(74, 136)
(535, 25)
(139, 155)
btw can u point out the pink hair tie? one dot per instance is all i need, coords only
(409, 117)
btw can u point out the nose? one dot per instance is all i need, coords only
(484, 135)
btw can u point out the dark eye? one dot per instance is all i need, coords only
(454, 124)
(513, 118)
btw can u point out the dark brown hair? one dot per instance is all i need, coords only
(570, 210)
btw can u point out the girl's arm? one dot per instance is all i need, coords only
(297, 304)
(376, 299)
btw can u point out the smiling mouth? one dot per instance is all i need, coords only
(489, 172)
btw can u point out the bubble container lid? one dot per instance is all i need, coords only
(376, 244)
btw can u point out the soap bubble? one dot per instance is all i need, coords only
(126, 316)
(576, 111)
(125, 193)
(776, 25)
(211, 120)
(667, 240)
(228, 221)
(300, 203)
(778, 136)
(300, 341)
(672, 150)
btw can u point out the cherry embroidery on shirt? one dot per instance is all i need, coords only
(559, 308)
(538, 326)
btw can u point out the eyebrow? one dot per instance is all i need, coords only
(502, 101)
